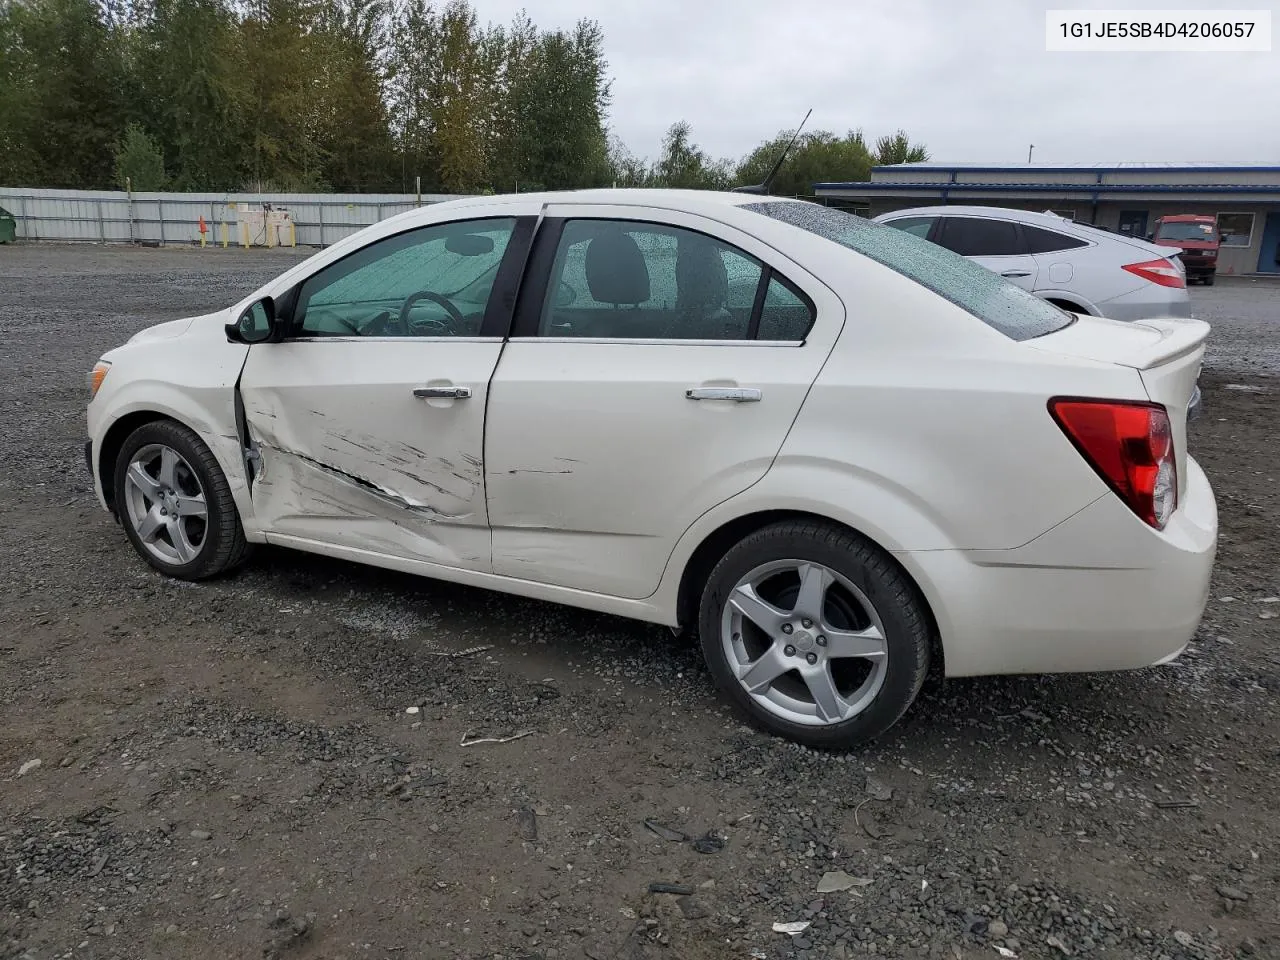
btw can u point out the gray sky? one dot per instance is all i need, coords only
(970, 79)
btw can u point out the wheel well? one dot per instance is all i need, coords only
(109, 449)
(718, 542)
(1067, 305)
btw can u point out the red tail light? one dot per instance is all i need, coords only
(1162, 271)
(1130, 445)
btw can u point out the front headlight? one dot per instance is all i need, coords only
(97, 375)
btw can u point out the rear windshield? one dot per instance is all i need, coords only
(989, 297)
(1187, 230)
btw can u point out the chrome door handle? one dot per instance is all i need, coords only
(737, 394)
(442, 393)
(1016, 273)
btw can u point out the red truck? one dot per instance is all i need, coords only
(1197, 235)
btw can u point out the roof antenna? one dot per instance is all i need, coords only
(763, 188)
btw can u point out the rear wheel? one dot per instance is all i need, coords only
(814, 634)
(1208, 281)
(175, 504)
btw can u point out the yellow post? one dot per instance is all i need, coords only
(202, 236)
(224, 234)
(244, 233)
(293, 235)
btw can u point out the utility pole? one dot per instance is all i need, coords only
(1029, 149)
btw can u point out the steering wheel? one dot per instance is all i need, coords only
(449, 329)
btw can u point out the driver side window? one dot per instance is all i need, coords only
(431, 282)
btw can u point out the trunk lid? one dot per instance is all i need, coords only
(1167, 353)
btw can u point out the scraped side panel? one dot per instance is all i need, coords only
(349, 456)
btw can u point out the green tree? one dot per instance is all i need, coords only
(415, 46)
(190, 66)
(139, 161)
(351, 120)
(61, 104)
(683, 164)
(20, 160)
(284, 128)
(816, 157)
(626, 169)
(558, 98)
(464, 93)
(898, 148)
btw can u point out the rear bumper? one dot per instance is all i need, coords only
(1100, 591)
(1150, 302)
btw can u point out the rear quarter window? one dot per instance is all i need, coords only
(989, 297)
(1049, 241)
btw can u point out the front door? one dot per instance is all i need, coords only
(369, 418)
(657, 363)
(993, 243)
(1269, 257)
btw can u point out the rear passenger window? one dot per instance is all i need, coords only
(1048, 241)
(976, 237)
(786, 314)
(628, 280)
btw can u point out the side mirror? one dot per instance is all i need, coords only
(256, 323)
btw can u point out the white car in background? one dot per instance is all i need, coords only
(835, 450)
(1075, 266)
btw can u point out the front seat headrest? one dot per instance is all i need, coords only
(702, 282)
(616, 271)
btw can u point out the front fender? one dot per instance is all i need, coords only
(190, 379)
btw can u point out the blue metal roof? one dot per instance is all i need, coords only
(1184, 167)
(884, 186)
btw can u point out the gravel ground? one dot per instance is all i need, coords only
(229, 770)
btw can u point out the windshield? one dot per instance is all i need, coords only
(989, 297)
(1188, 230)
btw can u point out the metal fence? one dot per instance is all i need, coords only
(116, 216)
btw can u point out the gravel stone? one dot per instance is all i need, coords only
(268, 707)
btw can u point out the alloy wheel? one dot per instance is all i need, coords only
(804, 642)
(165, 504)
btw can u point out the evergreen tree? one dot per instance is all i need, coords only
(139, 161)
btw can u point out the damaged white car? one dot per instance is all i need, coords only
(835, 450)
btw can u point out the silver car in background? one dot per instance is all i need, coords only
(1078, 267)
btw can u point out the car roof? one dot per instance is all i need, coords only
(1004, 213)
(678, 199)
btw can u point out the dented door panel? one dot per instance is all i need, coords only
(351, 457)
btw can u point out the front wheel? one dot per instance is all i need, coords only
(175, 504)
(814, 634)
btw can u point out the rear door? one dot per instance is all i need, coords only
(996, 244)
(658, 361)
(1057, 257)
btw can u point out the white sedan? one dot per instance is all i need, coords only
(834, 450)
(1078, 267)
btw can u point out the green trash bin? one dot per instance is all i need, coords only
(8, 226)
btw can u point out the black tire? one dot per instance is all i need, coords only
(1208, 281)
(896, 599)
(223, 547)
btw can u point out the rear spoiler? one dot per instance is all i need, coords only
(1178, 337)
